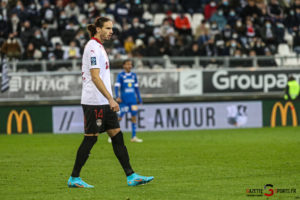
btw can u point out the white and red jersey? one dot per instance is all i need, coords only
(94, 56)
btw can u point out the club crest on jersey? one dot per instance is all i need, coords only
(93, 61)
(99, 122)
(106, 65)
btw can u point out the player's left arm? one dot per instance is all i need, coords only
(137, 91)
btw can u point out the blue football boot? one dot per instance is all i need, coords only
(76, 182)
(135, 179)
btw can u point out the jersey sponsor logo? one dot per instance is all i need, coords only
(99, 122)
(92, 51)
(134, 108)
(93, 61)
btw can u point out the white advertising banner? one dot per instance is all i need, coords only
(190, 82)
(67, 119)
(175, 116)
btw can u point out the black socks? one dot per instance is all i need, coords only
(83, 153)
(121, 152)
(87, 144)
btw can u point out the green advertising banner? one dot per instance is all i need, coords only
(25, 119)
(281, 113)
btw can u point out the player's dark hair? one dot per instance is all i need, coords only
(125, 61)
(291, 78)
(99, 22)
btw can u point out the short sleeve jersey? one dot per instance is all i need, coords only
(94, 56)
(128, 82)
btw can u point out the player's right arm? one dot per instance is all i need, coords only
(101, 87)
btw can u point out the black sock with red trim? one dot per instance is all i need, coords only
(121, 153)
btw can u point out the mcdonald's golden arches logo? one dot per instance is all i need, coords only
(19, 120)
(284, 111)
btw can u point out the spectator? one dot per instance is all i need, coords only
(193, 50)
(167, 32)
(173, 5)
(12, 47)
(296, 40)
(32, 53)
(137, 29)
(231, 47)
(219, 18)
(20, 10)
(3, 29)
(129, 44)
(59, 7)
(58, 52)
(227, 33)
(183, 25)
(204, 38)
(224, 5)
(204, 27)
(33, 15)
(62, 21)
(72, 52)
(275, 11)
(48, 14)
(137, 9)
(169, 18)
(250, 30)
(38, 40)
(210, 9)
(14, 24)
(279, 32)
(152, 49)
(92, 11)
(251, 10)
(232, 17)
(26, 33)
(4, 10)
(121, 12)
(268, 34)
(101, 5)
(72, 10)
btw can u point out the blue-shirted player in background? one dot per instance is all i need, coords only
(127, 84)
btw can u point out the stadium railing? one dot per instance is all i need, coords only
(164, 62)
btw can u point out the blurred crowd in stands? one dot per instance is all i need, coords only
(56, 29)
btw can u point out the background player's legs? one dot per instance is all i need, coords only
(134, 112)
(133, 126)
(120, 149)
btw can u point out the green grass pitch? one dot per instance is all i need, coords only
(206, 164)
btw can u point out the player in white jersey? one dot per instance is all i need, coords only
(99, 107)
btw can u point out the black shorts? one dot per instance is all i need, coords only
(98, 119)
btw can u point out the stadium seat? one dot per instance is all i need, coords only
(55, 40)
(196, 20)
(147, 16)
(158, 19)
(284, 50)
(110, 16)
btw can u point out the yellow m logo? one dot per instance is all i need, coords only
(283, 111)
(19, 120)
